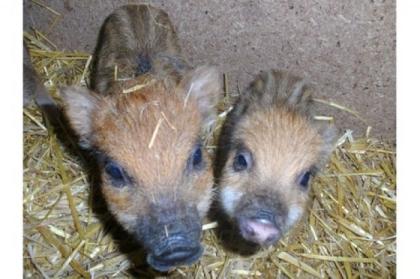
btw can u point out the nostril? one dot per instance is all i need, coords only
(249, 230)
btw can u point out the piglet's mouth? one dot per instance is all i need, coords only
(171, 234)
(176, 251)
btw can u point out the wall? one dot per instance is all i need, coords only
(347, 48)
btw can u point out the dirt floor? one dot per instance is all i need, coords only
(347, 48)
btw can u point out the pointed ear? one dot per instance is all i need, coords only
(79, 103)
(203, 84)
(297, 92)
(301, 94)
(295, 89)
(273, 86)
(328, 133)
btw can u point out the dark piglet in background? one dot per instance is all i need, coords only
(144, 121)
(33, 89)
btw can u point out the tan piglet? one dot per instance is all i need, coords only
(269, 149)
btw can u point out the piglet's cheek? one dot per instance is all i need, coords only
(230, 198)
(118, 200)
(293, 216)
(204, 204)
(203, 192)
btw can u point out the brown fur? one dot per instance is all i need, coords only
(156, 172)
(133, 33)
(272, 120)
(149, 123)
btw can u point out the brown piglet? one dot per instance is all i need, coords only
(144, 120)
(269, 148)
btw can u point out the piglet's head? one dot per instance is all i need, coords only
(156, 174)
(269, 150)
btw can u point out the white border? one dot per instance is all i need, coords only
(408, 126)
(11, 139)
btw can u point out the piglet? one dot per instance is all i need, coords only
(269, 149)
(144, 120)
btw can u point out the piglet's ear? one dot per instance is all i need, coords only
(203, 84)
(79, 103)
(300, 94)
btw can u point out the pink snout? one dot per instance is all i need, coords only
(260, 231)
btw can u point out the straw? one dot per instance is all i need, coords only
(349, 231)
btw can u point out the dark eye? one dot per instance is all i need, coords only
(242, 160)
(304, 179)
(116, 174)
(196, 159)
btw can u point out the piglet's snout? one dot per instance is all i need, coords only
(176, 250)
(174, 237)
(260, 228)
(259, 231)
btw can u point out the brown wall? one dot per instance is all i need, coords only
(346, 47)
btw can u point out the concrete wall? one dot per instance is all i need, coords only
(347, 48)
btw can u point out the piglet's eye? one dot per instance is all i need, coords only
(197, 157)
(116, 174)
(242, 161)
(304, 179)
(195, 162)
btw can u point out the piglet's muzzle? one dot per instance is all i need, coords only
(259, 230)
(259, 219)
(177, 250)
(171, 235)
